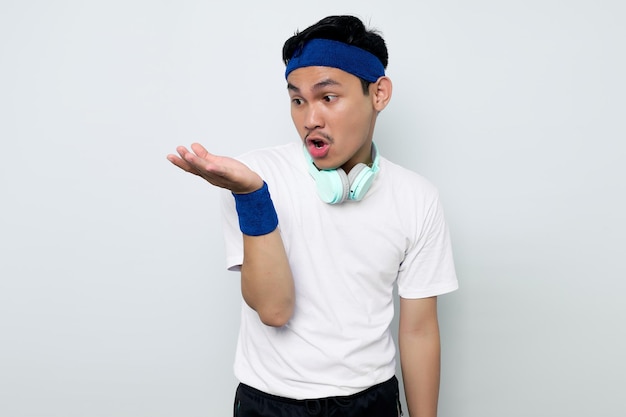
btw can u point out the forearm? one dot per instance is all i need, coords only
(420, 355)
(420, 359)
(266, 281)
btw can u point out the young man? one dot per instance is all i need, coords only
(321, 230)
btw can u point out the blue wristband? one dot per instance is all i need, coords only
(257, 215)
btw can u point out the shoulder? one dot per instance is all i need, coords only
(404, 181)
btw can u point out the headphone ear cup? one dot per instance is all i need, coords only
(360, 178)
(333, 186)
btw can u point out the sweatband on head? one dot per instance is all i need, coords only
(335, 54)
(257, 215)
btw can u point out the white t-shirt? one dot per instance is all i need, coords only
(345, 260)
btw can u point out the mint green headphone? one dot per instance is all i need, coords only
(334, 186)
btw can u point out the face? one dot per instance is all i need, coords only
(332, 115)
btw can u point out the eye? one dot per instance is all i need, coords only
(296, 101)
(329, 98)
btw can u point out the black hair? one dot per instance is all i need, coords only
(346, 29)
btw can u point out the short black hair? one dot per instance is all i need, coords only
(346, 29)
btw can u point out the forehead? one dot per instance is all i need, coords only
(309, 78)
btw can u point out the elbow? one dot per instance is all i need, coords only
(273, 302)
(273, 313)
(276, 316)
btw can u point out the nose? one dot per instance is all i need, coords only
(313, 118)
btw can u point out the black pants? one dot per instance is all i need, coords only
(381, 400)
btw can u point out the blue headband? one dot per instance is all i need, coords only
(335, 54)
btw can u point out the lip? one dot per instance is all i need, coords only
(317, 145)
(317, 148)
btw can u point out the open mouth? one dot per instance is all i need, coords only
(318, 148)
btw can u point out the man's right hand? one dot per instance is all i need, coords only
(220, 171)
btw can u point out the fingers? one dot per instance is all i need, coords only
(195, 162)
(203, 162)
(200, 150)
(199, 162)
(220, 171)
(178, 162)
(182, 160)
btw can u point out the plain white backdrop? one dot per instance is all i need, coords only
(114, 300)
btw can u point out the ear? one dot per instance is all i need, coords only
(381, 93)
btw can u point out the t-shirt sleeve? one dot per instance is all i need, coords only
(428, 267)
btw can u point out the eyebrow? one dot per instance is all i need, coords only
(316, 87)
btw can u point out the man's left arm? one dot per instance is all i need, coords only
(420, 354)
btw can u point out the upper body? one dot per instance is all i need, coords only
(337, 89)
(346, 260)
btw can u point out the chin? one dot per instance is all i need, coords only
(325, 167)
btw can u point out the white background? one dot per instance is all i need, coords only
(114, 300)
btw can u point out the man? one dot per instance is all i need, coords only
(321, 230)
